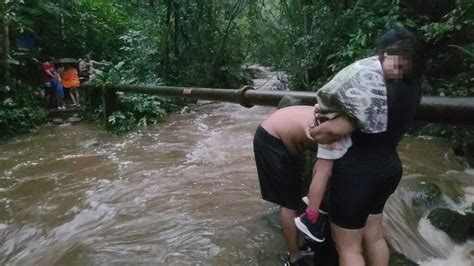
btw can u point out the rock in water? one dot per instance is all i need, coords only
(459, 226)
(427, 194)
(74, 119)
(58, 121)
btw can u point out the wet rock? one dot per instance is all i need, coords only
(256, 73)
(464, 147)
(458, 226)
(272, 220)
(398, 259)
(74, 119)
(470, 161)
(469, 147)
(426, 194)
(91, 143)
(58, 121)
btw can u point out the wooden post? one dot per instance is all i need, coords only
(110, 100)
(95, 94)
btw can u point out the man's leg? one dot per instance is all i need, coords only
(348, 245)
(374, 242)
(287, 220)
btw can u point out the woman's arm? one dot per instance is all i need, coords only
(332, 129)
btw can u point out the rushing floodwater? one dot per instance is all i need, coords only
(184, 192)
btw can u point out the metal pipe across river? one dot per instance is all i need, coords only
(432, 109)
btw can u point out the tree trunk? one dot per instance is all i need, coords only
(310, 73)
(233, 15)
(166, 34)
(4, 54)
(176, 30)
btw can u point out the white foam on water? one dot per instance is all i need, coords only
(459, 256)
(438, 239)
(465, 203)
(450, 253)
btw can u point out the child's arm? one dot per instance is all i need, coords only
(331, 130)
(321, 172)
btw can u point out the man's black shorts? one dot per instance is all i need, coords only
(278, 171)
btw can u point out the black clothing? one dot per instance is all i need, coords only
(278, 171)
(364, 178)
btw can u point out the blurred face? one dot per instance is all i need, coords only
(396, 66)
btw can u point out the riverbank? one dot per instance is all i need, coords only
(21, 110)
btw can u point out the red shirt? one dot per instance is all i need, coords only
(50, 67)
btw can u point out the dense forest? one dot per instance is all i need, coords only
(209, 43)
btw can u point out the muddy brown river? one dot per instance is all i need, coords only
(184, 192)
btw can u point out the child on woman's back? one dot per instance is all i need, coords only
(357, 92)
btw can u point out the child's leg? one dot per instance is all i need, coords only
(308, 223)
(321, 174)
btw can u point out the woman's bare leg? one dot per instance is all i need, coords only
(78, 98)
(348, 245)
(73, 97)
(374, 242)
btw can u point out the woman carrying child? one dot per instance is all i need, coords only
(376, 99)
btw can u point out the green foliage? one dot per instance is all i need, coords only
(71, 28)
(205, 43)
(20, 111)
(438, 130)
(120, 122)
(312, 40)
(140, 110)
(451, 62)
(135, 110)
(319, 38)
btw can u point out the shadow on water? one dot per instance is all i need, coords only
(182, 193)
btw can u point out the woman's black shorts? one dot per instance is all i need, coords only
(360, 185)
(278, 171)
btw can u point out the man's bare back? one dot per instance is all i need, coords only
(289, 124)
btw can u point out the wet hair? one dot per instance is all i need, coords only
(400, 41)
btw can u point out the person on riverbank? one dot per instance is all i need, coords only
(71, 82)
(48, 76)
(279, 142)
(370, 171)
(88, 68)
(59, 91)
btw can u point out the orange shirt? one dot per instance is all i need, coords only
(71, 79)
